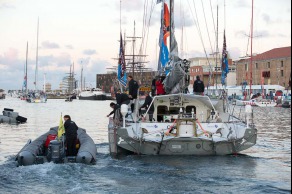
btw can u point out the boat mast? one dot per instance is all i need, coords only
(26, 86)
(81, 79)
(44, 82)
(217, 52)
(36, 69)
(251, 57)
(171, 4)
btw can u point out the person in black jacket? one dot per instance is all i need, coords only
(133, 91)
(133, 88)
(199, 86)
(147, 103)
(122, 98)
(153, 87)
(115, 107)
(71, 135)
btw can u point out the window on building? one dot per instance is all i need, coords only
(269, 65)
(282, 63)
(282, 73)
(257, 65)
(246, 67)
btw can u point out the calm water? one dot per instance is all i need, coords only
(265, 168)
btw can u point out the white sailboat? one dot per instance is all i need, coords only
(37, 96)
(183, 124)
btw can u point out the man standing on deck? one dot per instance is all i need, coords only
(133, 90)
(71, 135)
(199, 86)
(146, 105)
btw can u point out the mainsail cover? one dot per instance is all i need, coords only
(177, 80)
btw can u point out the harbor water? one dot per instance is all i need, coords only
(264, 168)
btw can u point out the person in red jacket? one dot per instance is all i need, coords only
(159, 87)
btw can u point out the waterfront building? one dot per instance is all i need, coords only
(202, 66)
(272, 67)
(109, 80)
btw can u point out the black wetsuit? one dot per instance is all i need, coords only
(71, 137)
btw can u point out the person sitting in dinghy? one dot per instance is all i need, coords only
(71, 135)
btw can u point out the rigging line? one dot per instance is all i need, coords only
(207, 27)
(214, 26)
(200, 35)
(148, 25)
(144, 21)
(224, 15)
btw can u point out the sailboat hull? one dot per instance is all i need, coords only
(121, 143)
(95, 97)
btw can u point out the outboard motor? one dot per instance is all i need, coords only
(55, 151)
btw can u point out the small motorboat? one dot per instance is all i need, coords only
(11, 117)
(48, 148)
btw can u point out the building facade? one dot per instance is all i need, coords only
(107, 81)
(269, 68)
(209, 73)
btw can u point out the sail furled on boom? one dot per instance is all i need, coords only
(122, 74)
(224, 64)
(164, 34)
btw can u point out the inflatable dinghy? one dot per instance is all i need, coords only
(11, 117)
(47, 148)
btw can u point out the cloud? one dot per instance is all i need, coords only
(9, 60)
(69, 47)
(241, 4)
(89, 52)
(6, 6)
(241, 34)
(50, 45)
(234, 53)
(267, 19)
(130, 5)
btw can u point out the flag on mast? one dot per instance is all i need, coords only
(122, 74)
(61, 129)
(164, 34)
(224, 65)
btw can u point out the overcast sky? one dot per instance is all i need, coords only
(86, 33)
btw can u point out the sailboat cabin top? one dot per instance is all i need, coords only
(169, 107)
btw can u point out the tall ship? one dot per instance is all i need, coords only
(183, 124)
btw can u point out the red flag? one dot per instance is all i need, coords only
(166, 27)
